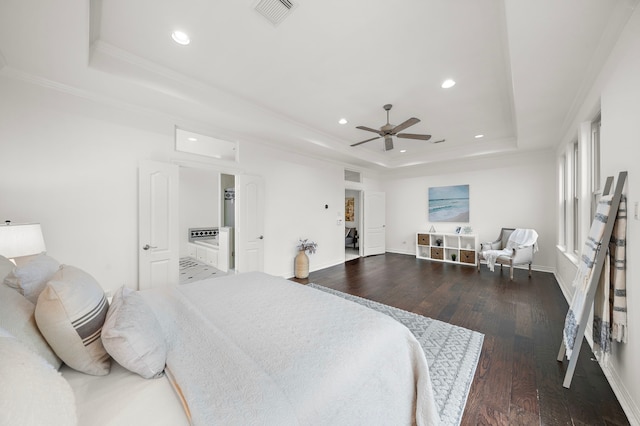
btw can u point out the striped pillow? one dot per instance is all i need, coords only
(70, 313)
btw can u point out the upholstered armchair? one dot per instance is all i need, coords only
(351, 237)
(512, 247)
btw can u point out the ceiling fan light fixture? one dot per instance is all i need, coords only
(448, 83)
(180, 37)
(388, 143)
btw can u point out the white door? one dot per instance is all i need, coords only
(374, 223)
(250, 224)
(158, 249)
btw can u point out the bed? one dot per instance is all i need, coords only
(257, 349)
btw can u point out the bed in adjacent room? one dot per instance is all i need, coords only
(243, 349)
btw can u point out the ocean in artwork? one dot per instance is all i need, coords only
(449, 203)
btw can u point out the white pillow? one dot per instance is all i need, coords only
(132, 335)
(32, 391)
(6, 267)
(16, 316)
(31, 278)
(70, 313)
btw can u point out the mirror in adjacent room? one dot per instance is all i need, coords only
(197, 143)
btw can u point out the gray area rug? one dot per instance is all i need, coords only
(452, 353)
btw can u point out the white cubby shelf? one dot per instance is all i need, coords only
(444, 247)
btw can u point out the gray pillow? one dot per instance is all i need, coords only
(132, 335)
(16, 316)
(31, 278)
(6, 267)
(70, 313)
(35, 392)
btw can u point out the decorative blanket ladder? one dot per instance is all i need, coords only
(595, 276)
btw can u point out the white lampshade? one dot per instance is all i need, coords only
(21, 240)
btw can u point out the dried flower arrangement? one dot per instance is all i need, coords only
(307, 246)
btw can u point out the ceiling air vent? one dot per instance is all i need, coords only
(275, 10)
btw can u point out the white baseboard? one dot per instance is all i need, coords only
(629, 406)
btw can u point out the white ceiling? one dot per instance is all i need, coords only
(521, 67)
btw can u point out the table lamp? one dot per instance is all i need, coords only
(17, 240)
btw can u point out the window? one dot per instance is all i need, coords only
(575, 194)
(594, 158)
(562, 197)
(579, 186)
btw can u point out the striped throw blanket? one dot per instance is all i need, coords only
(610, 305)
(585, 270)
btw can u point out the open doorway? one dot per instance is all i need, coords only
(352, 223)
(206, 223)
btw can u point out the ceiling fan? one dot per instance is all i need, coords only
(389, 130)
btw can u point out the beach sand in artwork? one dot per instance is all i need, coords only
(462, 217)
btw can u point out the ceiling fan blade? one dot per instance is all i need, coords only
(368, 140)
(388, 143)
(414, 136)
(402, 126)
(369, 129)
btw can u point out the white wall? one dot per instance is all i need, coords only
(199, 202)
(515, 192)
(297, 189)
(617, 90)
(70, 169)
(71, 164)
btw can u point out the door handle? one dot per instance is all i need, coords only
(261, 237)
(147, 247)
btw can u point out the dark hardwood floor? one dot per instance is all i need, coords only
(518, 380)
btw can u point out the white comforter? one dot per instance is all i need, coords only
(256, 349)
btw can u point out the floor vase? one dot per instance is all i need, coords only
(302, 265)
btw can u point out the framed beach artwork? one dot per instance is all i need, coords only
(449, 203)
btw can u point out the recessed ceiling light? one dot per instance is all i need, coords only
(192, 139)
(403, 150)
(180, 38)
(343, 121)
(448, 83)
(479, 136)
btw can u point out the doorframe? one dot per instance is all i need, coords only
(220, 169)
(359, 215)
